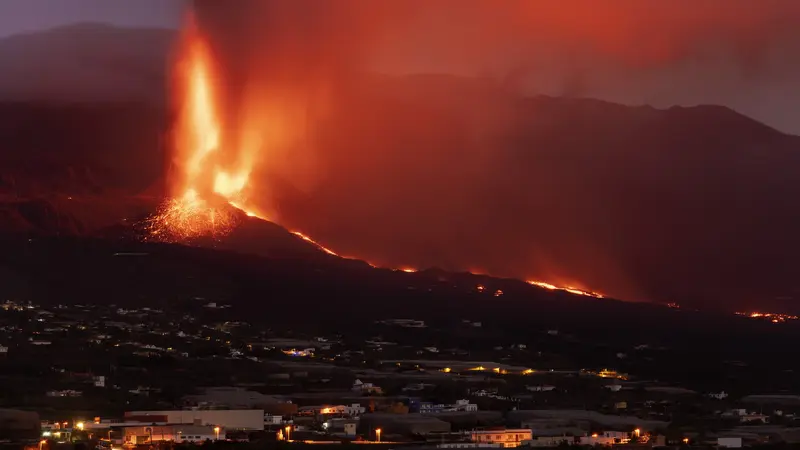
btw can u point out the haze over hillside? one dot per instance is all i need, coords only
(86, 62)
(693, 205)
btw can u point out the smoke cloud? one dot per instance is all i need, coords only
(308, 35)
(453, 171)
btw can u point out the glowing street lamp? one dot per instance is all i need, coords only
(288, 430)
(80, 425)
(41, 443)
(216, 433)
(637, 432)
(378, 434)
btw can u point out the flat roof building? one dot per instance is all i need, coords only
(232, 419)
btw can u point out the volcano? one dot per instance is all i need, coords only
(692, 205)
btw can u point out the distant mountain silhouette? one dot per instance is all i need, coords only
(85, 62)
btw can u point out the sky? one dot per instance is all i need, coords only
(769, 92)
(17, 16)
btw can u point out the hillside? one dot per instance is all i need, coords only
(684, 204)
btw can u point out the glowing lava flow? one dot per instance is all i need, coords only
(570, 289)
(210, 190)
(772, 317)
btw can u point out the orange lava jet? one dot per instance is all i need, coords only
(212, 182)
(205, 191)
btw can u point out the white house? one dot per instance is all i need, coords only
(271, 419)
(366, 388)
(354, 409)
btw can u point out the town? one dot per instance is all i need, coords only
(196, 371)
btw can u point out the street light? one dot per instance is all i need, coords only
(41, 443)
(216, 432)
(288, 430)
(378, 434)
(80, 425)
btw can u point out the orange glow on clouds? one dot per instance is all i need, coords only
(213, 177)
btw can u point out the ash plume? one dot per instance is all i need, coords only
(365, 151)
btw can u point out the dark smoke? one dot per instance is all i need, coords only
(458, 172)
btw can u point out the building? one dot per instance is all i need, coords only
(467, 445)
(343, 426)
(540, 388)
(366, 388)
(618, 435)
(549, 441)
(353, 410)
(172, 433)
(231, 419)
(596, 439)
(405, 323)
(607, 438)
(272, 419)
(459, 405)
(508, 437)
(64, 393)
(729, 442)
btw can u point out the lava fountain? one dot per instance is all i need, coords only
(209, 186)
(211, 171)
(205, 193)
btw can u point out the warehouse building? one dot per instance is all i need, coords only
(230, 419)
